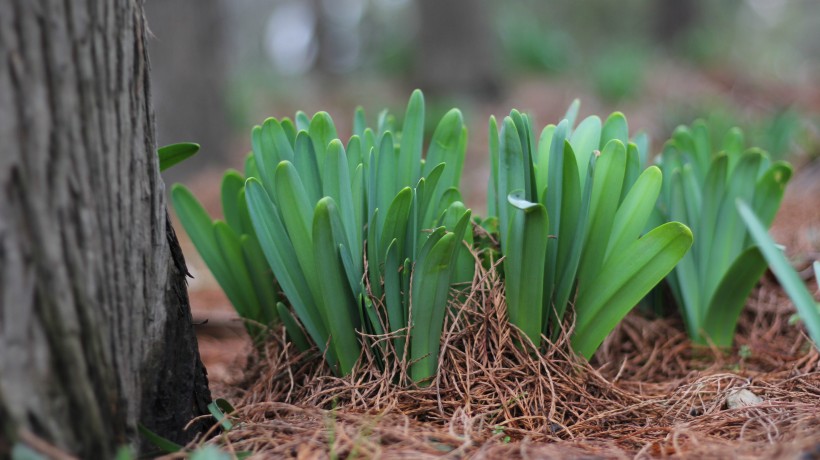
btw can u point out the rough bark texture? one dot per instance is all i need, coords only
(95, 327)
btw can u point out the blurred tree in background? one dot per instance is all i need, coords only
(189, 69)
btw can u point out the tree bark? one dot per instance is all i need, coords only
(95, 326)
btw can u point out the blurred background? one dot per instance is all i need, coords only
(221, 66)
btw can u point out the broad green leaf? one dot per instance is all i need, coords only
(575, 215)
(525, 251)
(359, 121)
(302, 121)
(322, 131)
(282, 258)
(297, 215)
(290, 130)
(615, 127)
(686, 275)
(769, 191)
(585, 140)
(729, 235)
(510, 174)
(197, 223)
(396, 223)
(307, 164)
(632, 215)
(262, 279)
(730, 296)
(337, 185)
(338, 304)
(241, 291)
(172, 154)
(626, 279)
(553, 203)
(606, 191)
(412, 137)
(232, 183)
(429, 286)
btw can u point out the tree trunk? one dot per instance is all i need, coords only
(455, 50)
(95, 326)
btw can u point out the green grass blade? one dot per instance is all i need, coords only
(625, 280)
(429, 289)
(297, 215)
(396, 223)
(769, 191)
(615, 127)
(264, 157)
(492, 186)
(337, 185)
(262, 279)
(322, 131)
(575, 217)
(197, 223)
(289, 129)
(302, 121)
(232, 183)
(584, 140)
(572, 114)
(730, 233)
(281, 143)
(553, 203)
(282, 258)
(338, 304)
(714, 189)
(307, 164)
(807, 308)
(686, 276)
(359, 121)
(374, 258)
(542, 160)
(412, 138)
(355, 154)
(606, 191)
(525, 251)
(393, 295)
(510, 174)
(243, 295)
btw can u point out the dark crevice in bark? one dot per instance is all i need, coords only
(165, 411)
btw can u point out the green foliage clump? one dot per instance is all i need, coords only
(571, 215)
(319, 206)
(712, 282)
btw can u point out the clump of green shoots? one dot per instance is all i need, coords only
(318, 206)
(572, 209)
(712, 281)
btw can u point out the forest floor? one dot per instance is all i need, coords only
(647, 392)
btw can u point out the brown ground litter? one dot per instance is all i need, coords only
(647, 393)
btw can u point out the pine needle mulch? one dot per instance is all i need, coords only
(647, 393)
